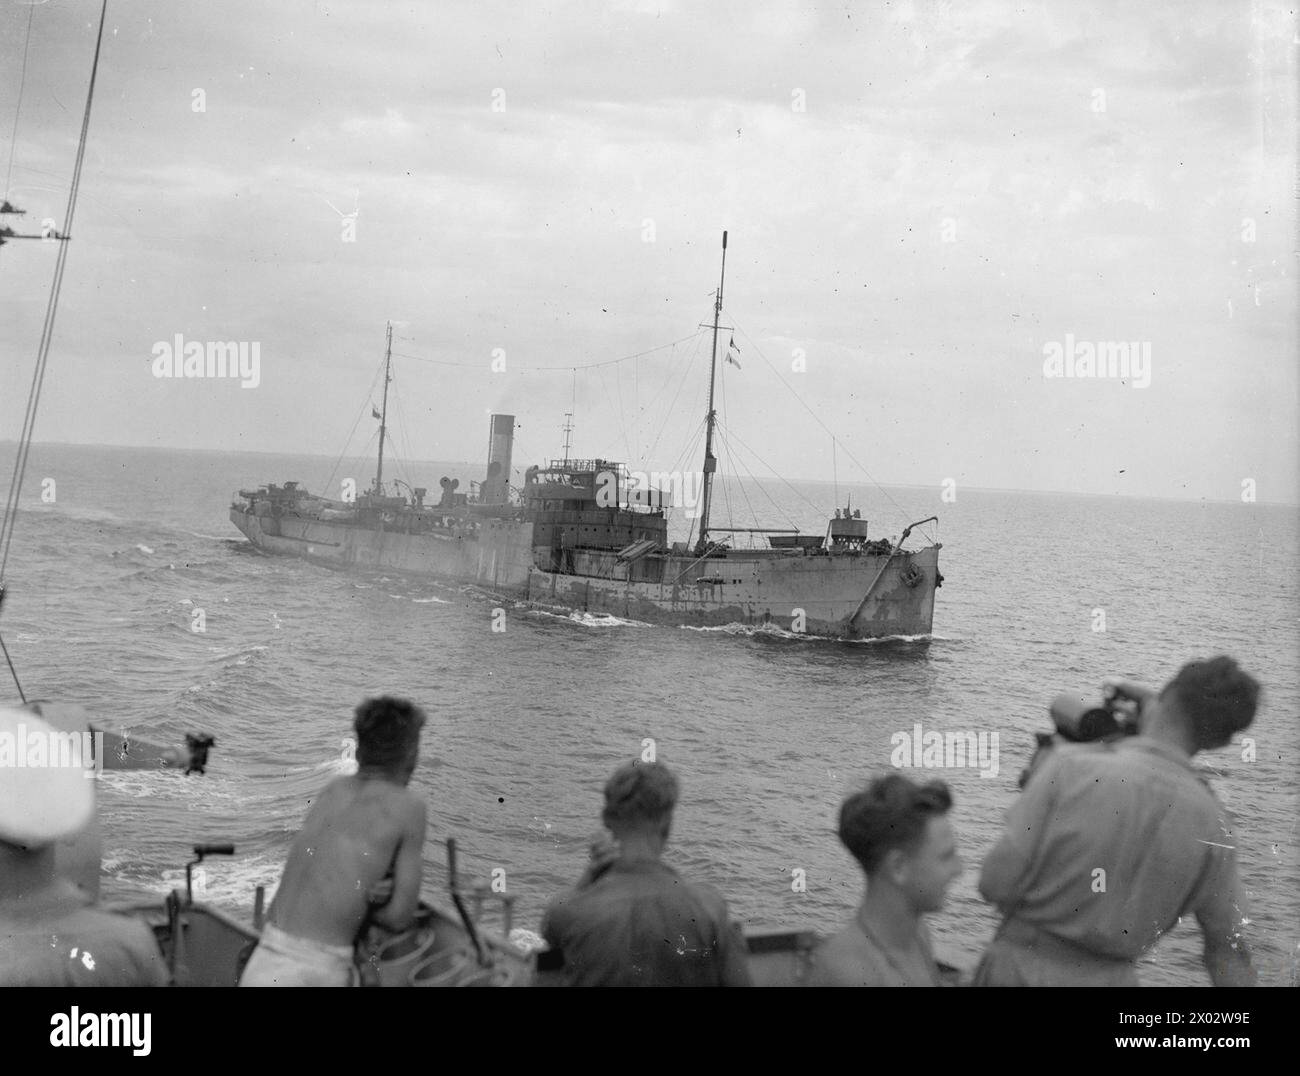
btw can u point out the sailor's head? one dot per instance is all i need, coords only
(47, 802)
(899, 833)
(1209, 701)
(388, 737)
(639, 799)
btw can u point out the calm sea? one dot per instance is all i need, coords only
(766, 731)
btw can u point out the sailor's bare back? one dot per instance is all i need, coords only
(359, 832)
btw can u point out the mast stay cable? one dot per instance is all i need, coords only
(18, 108)
(10, 519)
(352, 432)
(817, 419)
(544, 369)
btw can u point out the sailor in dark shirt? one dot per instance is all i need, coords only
(632, 920)
(900, 835)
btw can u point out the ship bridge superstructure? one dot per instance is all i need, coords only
(579, 505)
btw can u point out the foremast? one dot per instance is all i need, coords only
(710, 460)
(383, 418)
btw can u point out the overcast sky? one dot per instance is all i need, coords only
(922, 198)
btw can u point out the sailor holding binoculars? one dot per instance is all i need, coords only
(1111, 843)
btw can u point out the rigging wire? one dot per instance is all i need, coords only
(367, 402)
(13, 672)
(18, 109)
(758, 350)
(407, 456)
(690, 452)
(697, 407)
(644, 409)
(686, 370)
(363, 456)
(47, 330)
(686, 452)
(608, 408)
(835, 473)
(622, 414)
(541, 369)
(725, 432)
(690, 448)
(10, 519)
(726, 495)
(731, 434)
(609, 397)
(776, 474)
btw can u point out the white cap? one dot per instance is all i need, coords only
(45, 791)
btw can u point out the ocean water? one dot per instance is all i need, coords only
(767, 731)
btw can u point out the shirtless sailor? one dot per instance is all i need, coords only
(357, 860)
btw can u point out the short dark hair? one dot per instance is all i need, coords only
(640, 792)
(1216, 696)
(891, 813)
(387, 729)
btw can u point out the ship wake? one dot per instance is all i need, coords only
(590, 620)
(774, 631)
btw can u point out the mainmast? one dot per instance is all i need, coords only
(383, 418)
(711, 461)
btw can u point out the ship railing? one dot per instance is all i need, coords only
(573, 466)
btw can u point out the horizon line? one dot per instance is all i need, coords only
(810, 481)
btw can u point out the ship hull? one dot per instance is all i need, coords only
(837, 596)
(497, 556)
(819, 595)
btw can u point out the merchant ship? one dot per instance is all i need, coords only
(586, 535)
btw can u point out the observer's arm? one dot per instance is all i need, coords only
(1006, 868)
(1222, 913)
(408, 869)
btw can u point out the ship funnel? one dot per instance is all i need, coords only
(501, 439)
